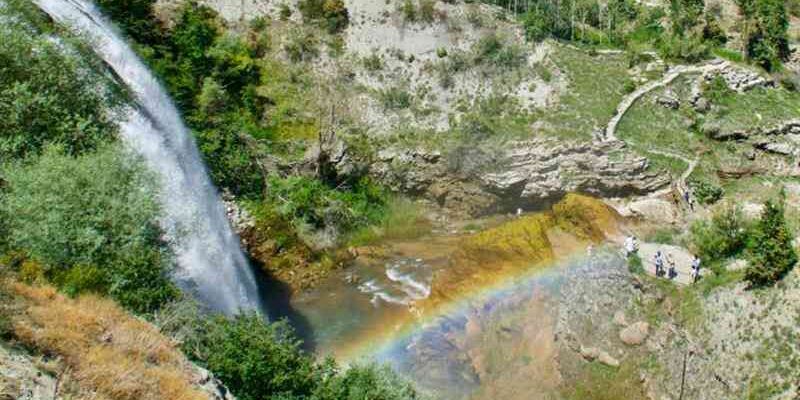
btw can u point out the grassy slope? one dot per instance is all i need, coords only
(594, 90)
(649, 126)
(106, 351)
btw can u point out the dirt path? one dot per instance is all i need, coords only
(610, 133)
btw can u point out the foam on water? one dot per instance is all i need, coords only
(210, 260)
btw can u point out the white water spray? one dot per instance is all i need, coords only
(210, 260)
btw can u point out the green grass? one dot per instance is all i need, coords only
(595, 88)
(760, 107)
(402, 220)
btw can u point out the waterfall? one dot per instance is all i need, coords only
(210, 262)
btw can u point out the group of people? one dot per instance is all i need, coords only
(665, 263)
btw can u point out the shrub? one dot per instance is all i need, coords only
(408, 10)
(301, 46)
(395, 98)
(427, 10)
(257, 360)
(366, 382)
(373, 62)
(48, 95)
(722, 237)
(93, 210)
(629, 86)
(635, 264)
(332, 13)
(284, 11)
(311, 202)
(770, 250)
(493, 50)
(706, 192)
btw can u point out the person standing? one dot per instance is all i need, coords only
(695, 268)
(659, 261)
(671, 271)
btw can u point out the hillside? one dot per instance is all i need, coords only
(441, 186)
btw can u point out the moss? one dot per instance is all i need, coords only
(584, 216)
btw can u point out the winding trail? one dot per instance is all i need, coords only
(610, 133)
(681, 184)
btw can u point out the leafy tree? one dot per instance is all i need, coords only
(765, 31)
(366, 382)
(91, 221)
(257, 360)
(333, 13)
(770, 250)
(48, 95)
(722, 237)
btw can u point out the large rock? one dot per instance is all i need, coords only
(601, 356)
(635, 334)
(544, 169)
(21, 378)
(525, 174)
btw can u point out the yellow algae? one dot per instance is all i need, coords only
(585, 217)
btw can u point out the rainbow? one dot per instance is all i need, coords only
(383, 345)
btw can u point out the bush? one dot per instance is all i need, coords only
(258, 360)
(409, 10)
(366, 382)
(722, 237)
(427, 10)
(770, 250)
(493, 50)
(395, 98)
(95, 211)
(48, 95)
(333, 13)
(311, 202)
(706, 192)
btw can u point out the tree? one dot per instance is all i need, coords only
(91, 221)
(770, 251)
(765, 31)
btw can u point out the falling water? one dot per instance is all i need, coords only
(210, 261)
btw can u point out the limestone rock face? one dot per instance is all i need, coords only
(21, 379)
(526, 174)
(635, 334)
(545, 169)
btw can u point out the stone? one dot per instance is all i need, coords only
(668, 102)
(601, 356)
(635, 334)
(619, 318)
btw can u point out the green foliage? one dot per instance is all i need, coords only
(302, 46)
(427, 10)
(135, 17)
(51, 96)
(395, 98)
(366, 382)
(706, 192)
(765, 31)
(373, 62)
(408, 10)
(724, 236)
(493, 50)
(258, 360)
(332, 13)
(311, 202)
(770, 251)
(402, 219)
(635, 264)
(94, 214)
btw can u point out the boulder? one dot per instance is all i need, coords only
(601, 356)
(635, 334)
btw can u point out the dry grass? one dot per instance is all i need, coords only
(108, 351)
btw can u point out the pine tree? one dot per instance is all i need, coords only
(770, 252)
